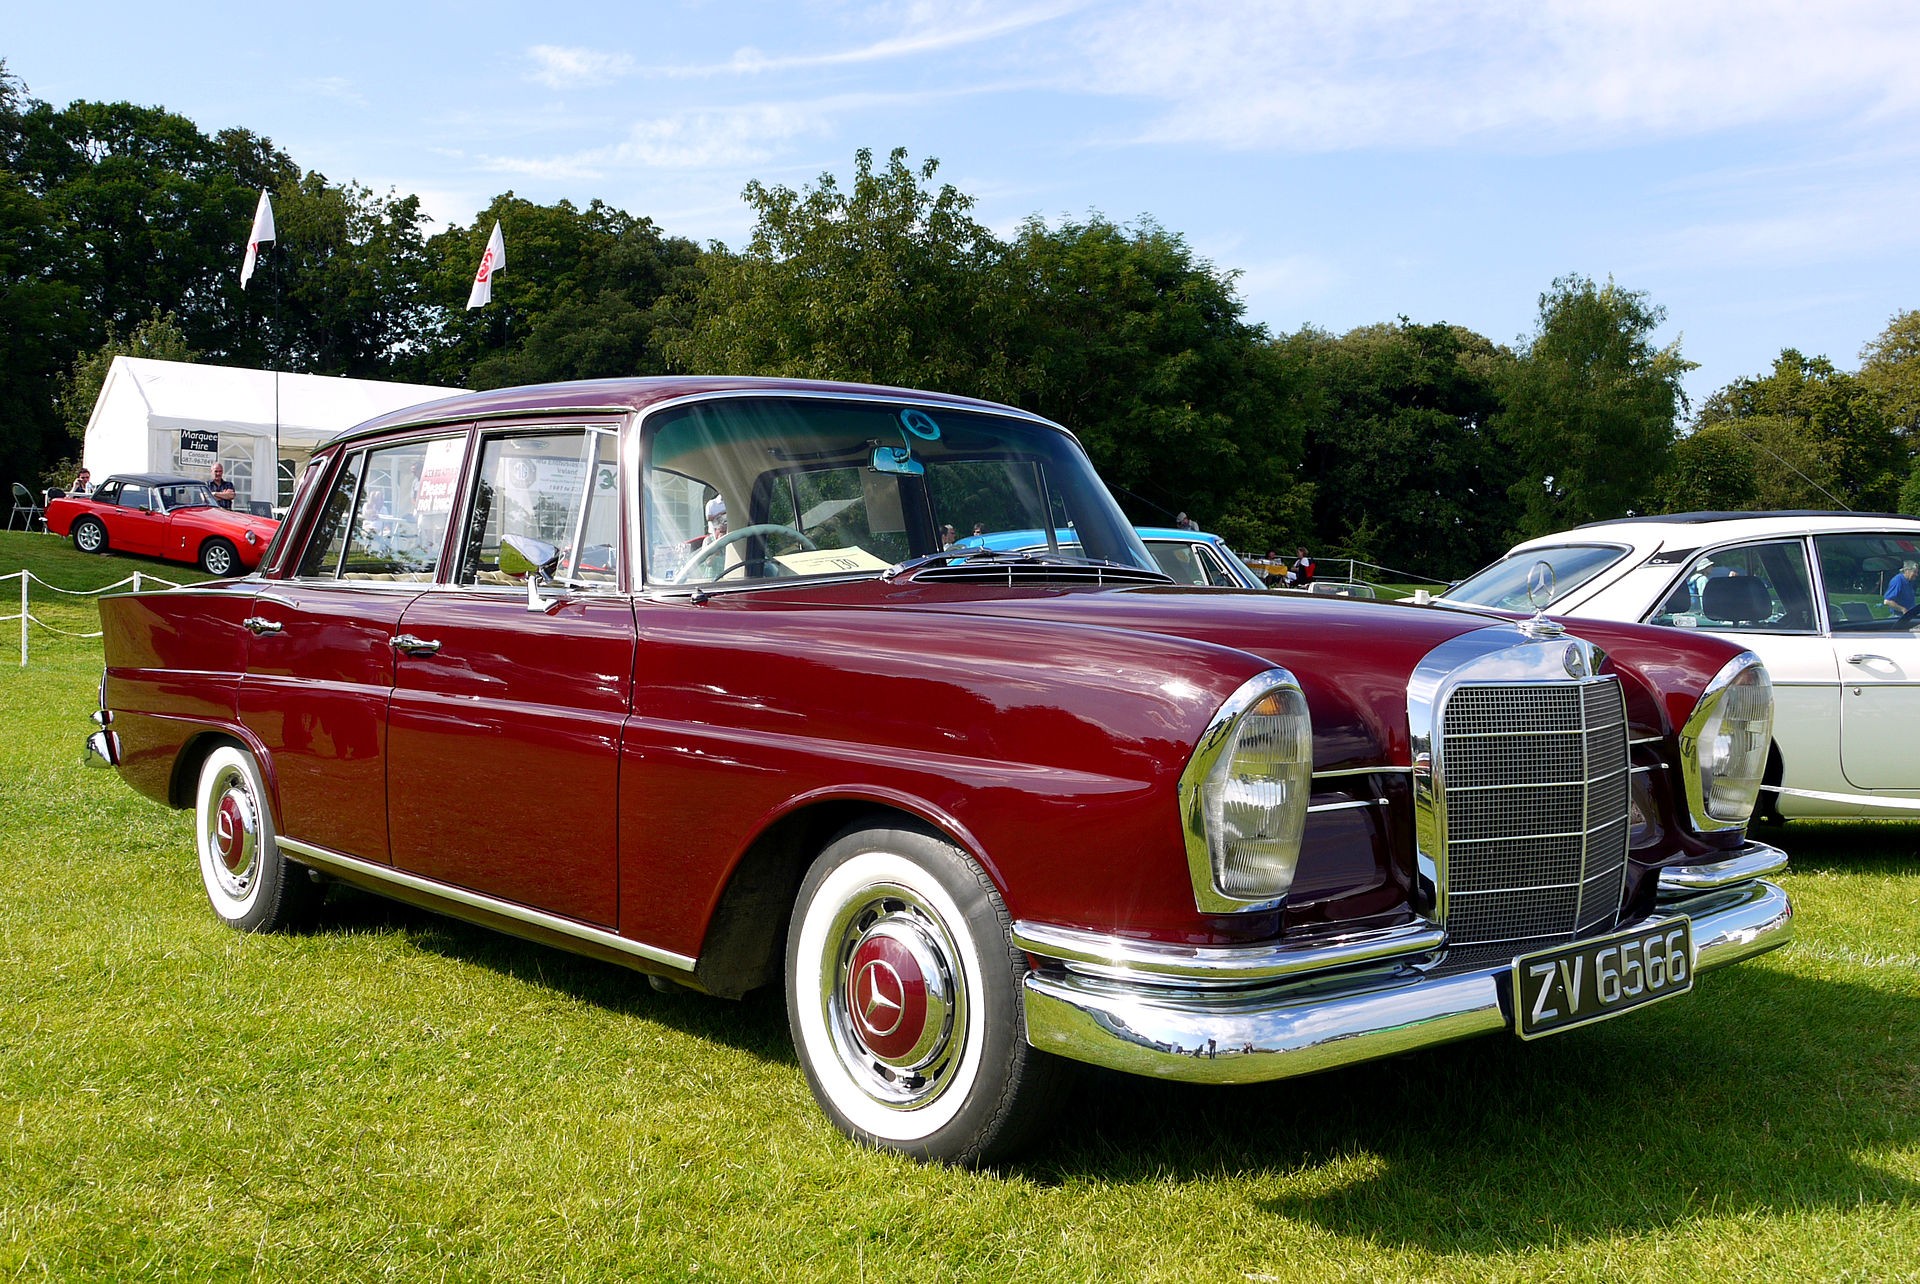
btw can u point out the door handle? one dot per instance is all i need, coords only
(1862, 659)
(258, 626)
(407, 644)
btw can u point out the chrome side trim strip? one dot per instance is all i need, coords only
(1362, 771)
(1754, 860)
(354, 867)
(1276, 1032)
(1857, 800)
(1156, 963)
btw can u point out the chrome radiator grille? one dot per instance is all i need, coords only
(1534, 781)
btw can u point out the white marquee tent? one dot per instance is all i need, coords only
(178, 417)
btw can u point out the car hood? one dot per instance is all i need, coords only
(1354, 659)
(230, 519)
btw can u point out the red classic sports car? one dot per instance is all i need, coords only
(674, 672)
(158, 515)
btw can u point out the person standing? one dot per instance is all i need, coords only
(1900, 595)
(222, 489)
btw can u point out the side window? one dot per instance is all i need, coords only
(107, 494)
(329, 536)
(1178, 560)
(133, 495)
(1860, 575)
(405, 501)
(1750, 587)
(555, 491)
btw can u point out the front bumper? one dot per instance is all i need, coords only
(1232, 1016)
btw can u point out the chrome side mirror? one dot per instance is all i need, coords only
(534, 558)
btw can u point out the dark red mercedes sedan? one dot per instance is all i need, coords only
(675, 672)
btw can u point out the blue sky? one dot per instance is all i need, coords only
(1751, 166)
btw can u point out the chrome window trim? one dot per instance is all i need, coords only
(633, 460)
(1214, 741)
(327, 859)
(1498, 653)
(1716, 691)
(1101, 954)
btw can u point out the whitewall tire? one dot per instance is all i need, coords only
(904, 998)
(249, 883)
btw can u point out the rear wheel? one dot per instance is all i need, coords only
(218, 557)
(904, 997)
(250, 884)
(89, 536)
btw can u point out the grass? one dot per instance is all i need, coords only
(397, 1095)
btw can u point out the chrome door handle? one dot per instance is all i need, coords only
(407, 644)
(258, 625)
(1862, 659)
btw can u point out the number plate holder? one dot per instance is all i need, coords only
(1587, 981)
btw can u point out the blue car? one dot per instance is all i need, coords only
(1190, 557)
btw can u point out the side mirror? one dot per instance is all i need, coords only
(897, 461)
(534, 558)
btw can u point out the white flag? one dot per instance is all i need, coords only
(490, 263)
(262, 231)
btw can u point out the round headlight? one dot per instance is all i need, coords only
(1244, 795)
(1724, 745)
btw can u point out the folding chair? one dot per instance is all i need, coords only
(25, 511)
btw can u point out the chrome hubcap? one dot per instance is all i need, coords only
(89, 537)
(895, 1001)
(233, 836)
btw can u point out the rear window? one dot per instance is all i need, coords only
(1504, 584)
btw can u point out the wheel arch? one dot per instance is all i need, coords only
(193, 755)
(745, 942)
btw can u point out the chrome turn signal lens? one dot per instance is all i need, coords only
(1244, 796)
(1724, 745)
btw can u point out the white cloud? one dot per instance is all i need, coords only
(566, 67)
(1325, 75)
(925, 29)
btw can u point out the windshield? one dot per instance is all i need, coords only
(1504, 584)
(754, 488)
(184, 495)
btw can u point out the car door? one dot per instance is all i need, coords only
(139, 525)
(320, 673)
(504, 731)
(1760, 594)
(1877, 655)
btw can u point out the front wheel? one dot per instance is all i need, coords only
(250, 884)
(904, 998)
(89, 536)
(218, 557)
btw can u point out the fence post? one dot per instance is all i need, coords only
(136, 581)
(23, 618)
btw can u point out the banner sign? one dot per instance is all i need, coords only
(199, 440)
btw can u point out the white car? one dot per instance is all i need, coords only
(1808, 592)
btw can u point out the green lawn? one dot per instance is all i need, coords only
(396, 1095)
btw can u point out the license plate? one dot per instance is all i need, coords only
(1590, 981)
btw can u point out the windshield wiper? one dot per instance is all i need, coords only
(997, 557)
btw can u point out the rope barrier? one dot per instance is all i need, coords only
(139, 580)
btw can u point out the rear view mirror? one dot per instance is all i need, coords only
(897, 461)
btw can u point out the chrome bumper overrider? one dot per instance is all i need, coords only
(1147, 1012)
(103, 750)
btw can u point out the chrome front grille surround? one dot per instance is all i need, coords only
(1520, 785)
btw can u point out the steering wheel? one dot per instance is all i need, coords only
(691, 571)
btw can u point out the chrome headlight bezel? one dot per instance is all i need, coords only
(1216, 887)
(1738, 679)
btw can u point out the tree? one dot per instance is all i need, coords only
(1403, 412)
(584, 296)
(1127, 337)
(159, 337)
(1590, 405)
(1864, 461)
(1890, 370)
(878, 283)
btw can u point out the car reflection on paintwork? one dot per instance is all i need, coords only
(1805, 590)
(1188, 557)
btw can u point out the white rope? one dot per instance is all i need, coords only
(142, 578)
(49, 628)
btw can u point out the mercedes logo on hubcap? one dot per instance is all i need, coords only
(882, 997)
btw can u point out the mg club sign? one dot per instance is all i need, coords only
(198, 448)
